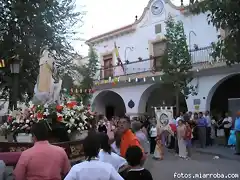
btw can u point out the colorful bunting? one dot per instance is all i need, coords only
(80, 91)
(116, 80)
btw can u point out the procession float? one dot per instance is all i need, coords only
(68, 121)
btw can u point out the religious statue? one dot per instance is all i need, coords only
(48, 87)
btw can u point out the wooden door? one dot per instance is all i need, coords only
(108, 69)
(158, 52)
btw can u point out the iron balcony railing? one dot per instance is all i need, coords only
(199, 56)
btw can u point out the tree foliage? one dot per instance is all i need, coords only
(88, 74)
(223, 14)
(176, 63)
(27, 26)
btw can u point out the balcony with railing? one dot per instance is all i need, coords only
(201, 59)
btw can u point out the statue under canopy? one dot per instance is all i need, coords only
(48, 87)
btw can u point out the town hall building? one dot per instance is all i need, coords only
(129, 79)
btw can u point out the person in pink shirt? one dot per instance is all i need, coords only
(43, 161)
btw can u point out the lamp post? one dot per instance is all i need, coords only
(189, 37)
(15, 69)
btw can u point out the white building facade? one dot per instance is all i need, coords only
(137, 87)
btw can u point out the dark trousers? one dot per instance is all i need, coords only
(152, 144)
(226, 134)
(202, 136)
(208, 136)
(176, 144)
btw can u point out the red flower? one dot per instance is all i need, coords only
(59, 118)
(71, 104)
(9, 118)
(39, 115)
(59, 108)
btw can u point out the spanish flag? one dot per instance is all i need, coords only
(2, 63)
(118, 57)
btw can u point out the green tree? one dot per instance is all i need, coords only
(176, 62)
(88, 74)
(26, 27)
(224, 14)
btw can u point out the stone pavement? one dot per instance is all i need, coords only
(200, 163)
(219, 150)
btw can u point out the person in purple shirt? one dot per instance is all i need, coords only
(201, 126)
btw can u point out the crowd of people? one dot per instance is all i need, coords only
(118, 148)
(119, 158)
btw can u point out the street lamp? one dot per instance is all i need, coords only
(15, 69)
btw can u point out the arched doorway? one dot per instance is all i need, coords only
(160, 95)
(225, 89)
(109, 103)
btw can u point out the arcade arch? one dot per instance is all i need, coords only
(227, 88)
(159, 95)
(109, 103)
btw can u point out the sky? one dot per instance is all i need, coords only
(106, 15)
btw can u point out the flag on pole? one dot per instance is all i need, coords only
(118, 57)
(2, 63)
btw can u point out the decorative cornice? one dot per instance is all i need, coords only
(128, 28)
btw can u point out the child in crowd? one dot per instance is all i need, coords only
(188, 138)
(232, 139)
(213, 129)
(137, 172)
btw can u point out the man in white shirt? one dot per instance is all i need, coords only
(227, 124)
(92, 168)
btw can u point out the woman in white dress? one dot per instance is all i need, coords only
(181, 129)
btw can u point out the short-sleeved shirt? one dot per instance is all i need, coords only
(138, 174)
(53, 158)
(128, 139)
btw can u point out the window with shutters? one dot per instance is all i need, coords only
(158, 52)
(158, 28)
(108, 69)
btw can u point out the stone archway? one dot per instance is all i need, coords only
(109, 103)
(217, 99)
(159, 95)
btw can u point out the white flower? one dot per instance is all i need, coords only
(31, 104)
(21, 121)
(45, 105)
(5, 124)
(80, 124)
(27, 121)
(72, 121)
(78, 129)
(69, 131)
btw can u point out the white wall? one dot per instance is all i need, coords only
(145, 32)
(207, 86)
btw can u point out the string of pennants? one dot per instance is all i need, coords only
(81, 91)
(115, 80)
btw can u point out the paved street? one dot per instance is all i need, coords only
(200, 163)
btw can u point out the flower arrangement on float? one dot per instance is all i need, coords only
(75, 116)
